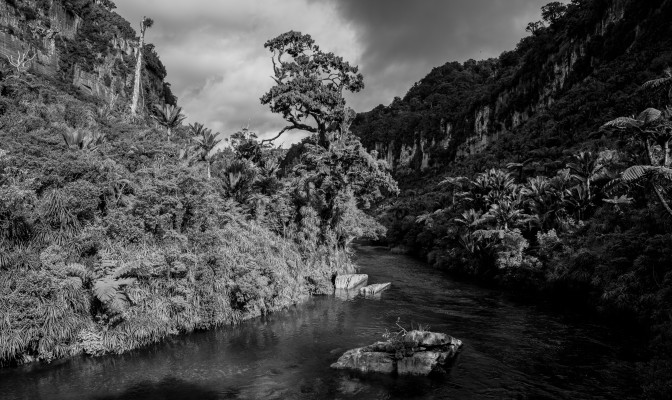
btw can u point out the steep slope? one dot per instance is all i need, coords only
(80, 42)
(546, 96)
(508, 177)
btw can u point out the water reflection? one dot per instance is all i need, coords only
(511, 351)
(169, 388)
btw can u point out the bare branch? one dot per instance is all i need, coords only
(22, 61)
(302, 127)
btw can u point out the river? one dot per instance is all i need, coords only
(513, 350)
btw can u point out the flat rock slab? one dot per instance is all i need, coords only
(374, 289)
(350, 281)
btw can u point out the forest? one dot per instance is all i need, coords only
(119, 230)
(573, 202)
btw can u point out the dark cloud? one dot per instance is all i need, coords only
(213, 50)
(402, 40)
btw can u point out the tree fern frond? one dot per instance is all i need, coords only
(622, 123)
(634, 173)
(613, 186)
(656, 83)
(619, 200)
(649, 115)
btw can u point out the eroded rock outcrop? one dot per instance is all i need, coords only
(350, 281)
(410, 353)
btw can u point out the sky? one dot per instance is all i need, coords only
(218, 67)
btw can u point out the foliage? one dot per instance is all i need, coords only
(580, 211)
(118, 239)
(310, 85)
(168, 116)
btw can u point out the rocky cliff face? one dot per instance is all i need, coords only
(522, 85)
(95, 51)
(493, 119)
(25, 26)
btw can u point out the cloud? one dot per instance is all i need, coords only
(403, 40)
(215, 57)
(218, 67)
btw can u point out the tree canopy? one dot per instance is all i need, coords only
(309, 85)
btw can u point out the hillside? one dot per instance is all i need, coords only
(83, 43)
(548, 169)
(117, 231)
(534, 102)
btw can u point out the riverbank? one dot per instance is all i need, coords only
(511, 350)
(242, 271)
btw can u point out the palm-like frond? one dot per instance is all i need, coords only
(109, 292)
(623, 123)
(81, 139)
(638, 172)
(659, 82)
(206, 142)
(649, 115)
(168, 116)
(456, 181)
(619, 200)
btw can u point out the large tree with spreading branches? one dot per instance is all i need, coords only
(309, 87)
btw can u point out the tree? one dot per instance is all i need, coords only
(309, 85)
(146, 23)
(337, 183)
(586, 169)
(205, 141)
(534, 27)
(553, 11)
(170, 117)
(651, 127)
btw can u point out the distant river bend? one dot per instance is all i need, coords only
(512, 350)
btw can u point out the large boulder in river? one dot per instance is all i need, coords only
(350, 281)
(366, 361)
(411, 353)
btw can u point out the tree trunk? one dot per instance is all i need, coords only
(138, 71)
(209, 176)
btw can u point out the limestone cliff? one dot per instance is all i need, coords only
(459, 110)
(81, 42)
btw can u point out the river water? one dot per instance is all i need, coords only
(513, 350)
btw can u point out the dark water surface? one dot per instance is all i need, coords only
(512, 350)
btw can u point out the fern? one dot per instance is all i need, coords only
(622, 200)
(634, 173)
(638, 172)
(649, 115)
(108, 291)
(79, 271)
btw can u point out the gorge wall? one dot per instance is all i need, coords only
(80, 42)
(458, 110)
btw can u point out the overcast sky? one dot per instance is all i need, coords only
(218, 67)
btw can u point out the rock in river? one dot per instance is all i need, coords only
(350, 281)
(375, 288)
(411, 353)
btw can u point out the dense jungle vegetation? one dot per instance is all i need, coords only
(574, 202)
(116, 232)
